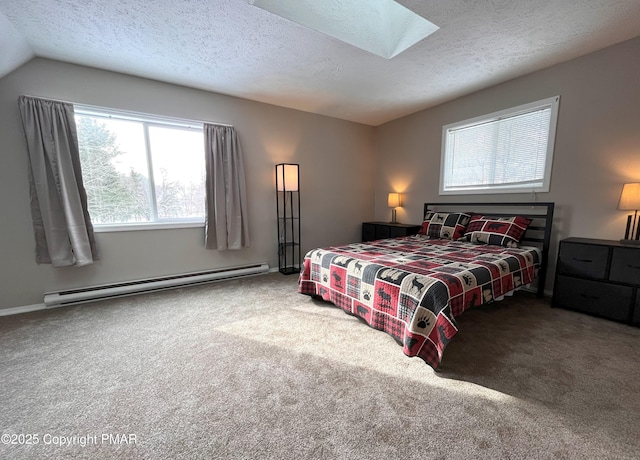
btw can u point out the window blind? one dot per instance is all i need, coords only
(497, 152)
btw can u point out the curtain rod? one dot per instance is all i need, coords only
(129, 111)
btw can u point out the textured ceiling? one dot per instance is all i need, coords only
(235, 48)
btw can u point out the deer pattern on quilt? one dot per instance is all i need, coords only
(414, 287)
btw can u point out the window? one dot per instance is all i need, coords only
(506, 151)
(141, 170)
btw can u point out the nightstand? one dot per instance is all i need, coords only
(599, 277)
(379, 230)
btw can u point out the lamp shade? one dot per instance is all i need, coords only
(287, 177)
(630, 197)
(393, 201)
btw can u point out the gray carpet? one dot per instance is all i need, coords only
(250, 369)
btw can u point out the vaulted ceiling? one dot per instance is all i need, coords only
(235, 48)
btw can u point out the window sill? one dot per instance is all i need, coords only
(544, 188)
(145, 226)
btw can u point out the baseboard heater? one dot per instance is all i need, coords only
(109, 291)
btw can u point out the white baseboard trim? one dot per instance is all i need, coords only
(23, 309)
(94, 293)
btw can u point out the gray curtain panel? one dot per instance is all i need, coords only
(61, 223)
(226, 223)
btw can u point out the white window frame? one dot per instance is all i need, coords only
(551, 102)
(148, 120)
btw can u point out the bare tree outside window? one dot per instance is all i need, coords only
(138, 171)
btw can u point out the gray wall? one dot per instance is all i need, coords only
(597, 143)
(346, 168)
(336, 167)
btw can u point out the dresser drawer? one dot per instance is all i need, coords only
(625, 266)
(636, 311)
(368, 232)
(608, 300)
(583, 260)
(382, 231)
(395, 232)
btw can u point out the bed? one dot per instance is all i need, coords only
(413, 287)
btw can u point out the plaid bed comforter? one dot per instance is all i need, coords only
(413, 287)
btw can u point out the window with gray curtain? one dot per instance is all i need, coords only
(61, 223)
(141, 170)
(226, 222)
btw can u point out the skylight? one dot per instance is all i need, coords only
(382, 27)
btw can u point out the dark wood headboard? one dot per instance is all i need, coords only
(538, 234)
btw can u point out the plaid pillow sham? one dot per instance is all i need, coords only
(500, 231)
(447, 226)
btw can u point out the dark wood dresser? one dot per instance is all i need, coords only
(378, 230)
(599, 277)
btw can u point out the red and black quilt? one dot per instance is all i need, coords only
(414, 287)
